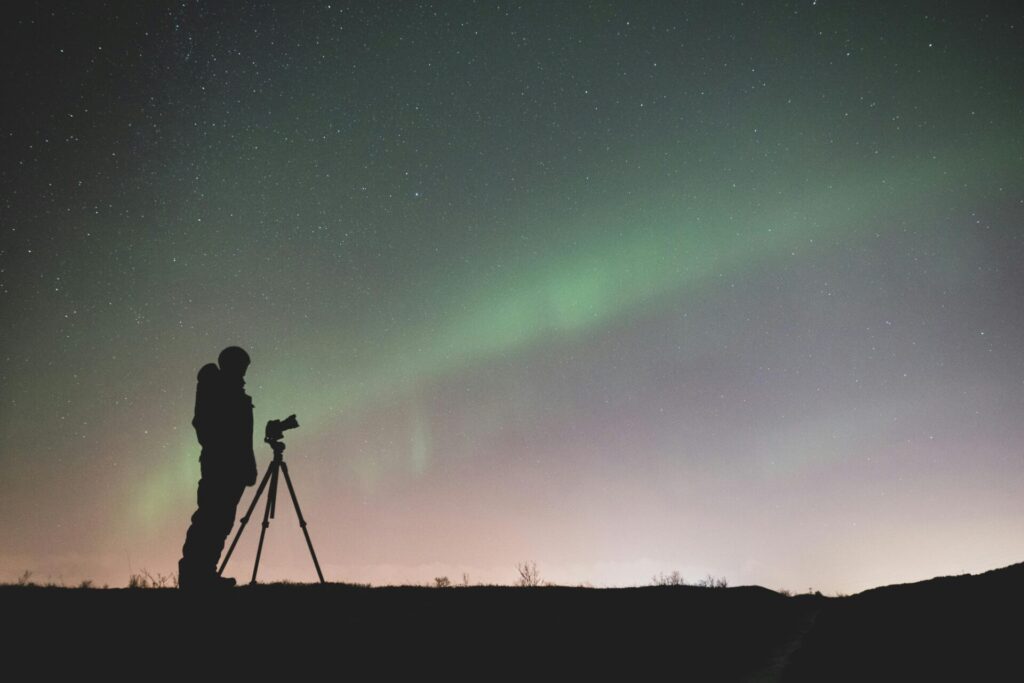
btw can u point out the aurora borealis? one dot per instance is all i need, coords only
(619, 288)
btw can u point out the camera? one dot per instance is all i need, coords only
(276, 428)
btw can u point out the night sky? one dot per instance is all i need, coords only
(620, 288)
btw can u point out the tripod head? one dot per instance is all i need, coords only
(274, 432)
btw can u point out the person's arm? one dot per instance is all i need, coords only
(249, 458)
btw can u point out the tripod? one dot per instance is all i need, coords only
(276, 465)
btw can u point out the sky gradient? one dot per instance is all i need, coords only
(618, 288)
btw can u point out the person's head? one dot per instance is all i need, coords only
(233, 362)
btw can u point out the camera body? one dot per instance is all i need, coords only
(276, 428)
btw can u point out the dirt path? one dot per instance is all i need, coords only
(772, 672)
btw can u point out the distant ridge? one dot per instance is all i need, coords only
(1008, 574)
(955, 628)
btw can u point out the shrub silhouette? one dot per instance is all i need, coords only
(146, 580)
(673, 579)
(710, 581)
(529, 577)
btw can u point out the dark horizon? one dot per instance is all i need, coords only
(952, 628)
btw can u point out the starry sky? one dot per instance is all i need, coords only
(620, 288)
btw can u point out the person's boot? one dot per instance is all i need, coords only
(224, 581)
(190, 578)
(186, 576)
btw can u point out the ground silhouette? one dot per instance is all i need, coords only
(963, 628)
(953, 628)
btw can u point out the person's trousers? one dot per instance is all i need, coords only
(217, 499)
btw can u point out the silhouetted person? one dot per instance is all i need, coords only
(223, 423)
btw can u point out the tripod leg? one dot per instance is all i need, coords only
(245, 520)
(266, 514)
(302, 521)
(273, 496)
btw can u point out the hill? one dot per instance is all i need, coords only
(965, 628)
(950, 628)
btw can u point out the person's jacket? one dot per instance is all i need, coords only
(223, 422)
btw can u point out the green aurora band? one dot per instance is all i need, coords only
(669, 251)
